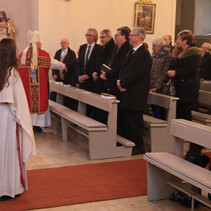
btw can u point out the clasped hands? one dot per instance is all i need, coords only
(102, 76)
(61, 73)
(119, 86)
(82, 78)
(171, 73)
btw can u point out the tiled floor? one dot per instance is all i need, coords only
(53, 152)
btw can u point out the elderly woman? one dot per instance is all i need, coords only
(161, 58)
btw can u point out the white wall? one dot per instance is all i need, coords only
(56, 19)
(59, 19)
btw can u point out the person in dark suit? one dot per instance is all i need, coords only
(88, 63)
(88, 60)
(133, 83)
(108, 47)
(116, 61)
(68, 57)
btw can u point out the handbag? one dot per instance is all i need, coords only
(168, 88)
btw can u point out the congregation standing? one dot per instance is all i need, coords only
(132, 73)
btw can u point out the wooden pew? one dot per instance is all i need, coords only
(201, 118)
(205, 98)
(161, 140)
(102, 138)
(168, 171)
(205, 102)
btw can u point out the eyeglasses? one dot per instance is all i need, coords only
(133, 35)
(117, 35)
(89, 35)
(102, 37)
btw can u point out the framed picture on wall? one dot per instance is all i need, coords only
(145, 16)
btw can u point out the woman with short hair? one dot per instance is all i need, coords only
(161, 59)
(184, 68)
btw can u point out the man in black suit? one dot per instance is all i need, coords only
(133, 84)
(108, 47)
(88, 60)
(68, 57)
(88, 63)
(116, 61)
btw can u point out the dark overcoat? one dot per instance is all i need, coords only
(118, 58)
(135, 77)
(70, 76)
(186, 80)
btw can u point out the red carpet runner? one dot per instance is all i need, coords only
(79, 184)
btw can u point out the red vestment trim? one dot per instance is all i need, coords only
(35, 82)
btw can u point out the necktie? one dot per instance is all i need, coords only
(113, 56)
(87, 55)
(131, 53)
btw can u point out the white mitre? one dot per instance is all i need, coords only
(32, 37)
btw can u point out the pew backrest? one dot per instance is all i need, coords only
(205, 98)
(82, 96)
(205, 85)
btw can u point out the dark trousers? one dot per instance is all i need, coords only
(70, 103)
(53, 96)
(184, 110)
(131, 126)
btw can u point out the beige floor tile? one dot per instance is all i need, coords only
(40, 160)
(100, 208)
(63, 208)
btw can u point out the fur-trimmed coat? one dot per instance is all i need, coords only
(186, 80)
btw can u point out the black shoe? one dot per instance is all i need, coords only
(138, 151)
(184, 199)
(37, 129)
(5, 198)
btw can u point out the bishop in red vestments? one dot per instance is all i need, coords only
(34, 64)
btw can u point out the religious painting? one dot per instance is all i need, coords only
(145, 16)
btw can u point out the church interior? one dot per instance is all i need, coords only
(58, 19)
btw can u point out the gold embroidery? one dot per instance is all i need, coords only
(43, 61)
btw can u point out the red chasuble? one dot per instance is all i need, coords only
(35, 80)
